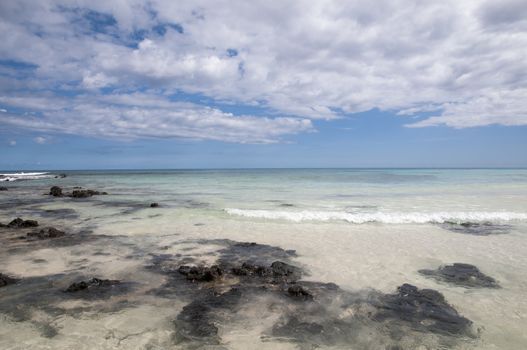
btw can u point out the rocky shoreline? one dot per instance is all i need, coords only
(251, 276)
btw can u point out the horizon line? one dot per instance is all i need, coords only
(269, 168)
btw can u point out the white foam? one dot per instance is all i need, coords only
(380, 217)
(24, 176)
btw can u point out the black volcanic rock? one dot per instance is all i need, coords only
(47, 232)
(201, 273)
(55, 191)
(299, 292)
(94, 283)
(254, 279)
(77, 192)
(85, 193)
(425, 309)
(285, 271)
(6, 280)
(460, 274)
(476, 228)
(20, 223)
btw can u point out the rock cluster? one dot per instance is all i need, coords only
(46, 232)
(312, 314)
(56, 191)
(464, 275)
(94, 283)
(21, 223)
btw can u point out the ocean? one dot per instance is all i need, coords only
(356, 235)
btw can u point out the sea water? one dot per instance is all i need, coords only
(363, 229)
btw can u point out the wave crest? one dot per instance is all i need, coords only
(24, 176)
(379, 217)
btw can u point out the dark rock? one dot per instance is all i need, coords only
(47, 232)
(196, 322)
(19, 223)
(6, 280)
(246, 244)
(299, 292)
(60, 176)
(294, 328)
(154, 205)
(333, 317)
(83, 193)
(477, 228)
(2, 188)
(55, 191)
(201, 273)
(237, 253)
(93, 283)
(425, 309)
(248, 269)
(285, 271)
(465, 275)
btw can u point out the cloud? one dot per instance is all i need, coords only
(41, 140)
(461, 61)
(485, 110)
(12, 143)
(145, 116)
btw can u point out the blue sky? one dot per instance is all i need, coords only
(202, 84)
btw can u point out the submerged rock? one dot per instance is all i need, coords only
(424, 309)
(93, 283)
(154, 205)
(477, 228)
(285, 271)
(299, 292)
(460, 274)
(55, 191)
(253, 279)
(294, 328)
(201, 273)
(60, 176)
(196, 322)
(6, 280)
(85, 193)
(248, 269)
(77, 192)
(2, 188)
(20, 223)
(47, 232)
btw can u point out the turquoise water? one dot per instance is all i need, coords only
(362, 229)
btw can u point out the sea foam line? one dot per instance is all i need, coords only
(380, 217)
(24, 176)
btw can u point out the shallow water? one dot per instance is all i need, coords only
(368, 231)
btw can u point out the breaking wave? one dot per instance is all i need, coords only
(380, 217)
(24, 176)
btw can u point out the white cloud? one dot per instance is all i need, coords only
(12, 143)
(462, 61)
(41, 140)
(143, 115)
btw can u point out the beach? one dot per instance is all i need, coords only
(265, 259)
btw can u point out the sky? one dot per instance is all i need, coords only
(250, 84)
